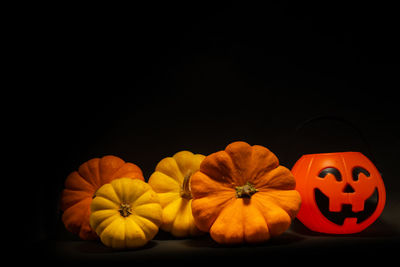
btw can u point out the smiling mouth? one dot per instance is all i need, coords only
(339, 217)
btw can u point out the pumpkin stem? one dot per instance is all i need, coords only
(125, 210)
(247, 190)
(185, 190)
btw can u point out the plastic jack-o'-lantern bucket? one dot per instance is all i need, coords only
(342, 193)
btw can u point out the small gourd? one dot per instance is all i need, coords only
(125, 213)
(80, 188)
(171, 181)
(243, 195)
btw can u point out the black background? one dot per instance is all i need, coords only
(145, 81)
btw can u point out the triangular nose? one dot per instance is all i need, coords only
(348, 189)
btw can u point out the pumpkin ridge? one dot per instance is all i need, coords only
(162, 167)
(201, 181)
(112, 240)
(82, 229)
(179, 167)
(119, 187)
(263, 232)
(135, 202)
(222, 165)
(134, 209)
(98, 216)
(228, 203)
(140, 224)
(181, 216)
(279, 178)
(182, 161)
(70, 182)
(116, 171)
(236, 176)
(93, 178)
(222, 218)
(265, 155)
(178, 198)
(231, 150)
(170, 196)
(103, 179)
(262, 207)
(107, 221)
(133, 233)
(165, 208)
(259, 175)
(223, 203)
(105, 196)
(70, 197)
(286, 208)
(154, 180)
(76, 203)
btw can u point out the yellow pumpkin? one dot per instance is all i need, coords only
(171, 181)
(125, 213)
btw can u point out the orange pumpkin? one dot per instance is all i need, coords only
(242, 194)
(81, 186)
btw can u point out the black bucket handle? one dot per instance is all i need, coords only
(342, 120)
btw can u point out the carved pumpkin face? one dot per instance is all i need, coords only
(341, 193)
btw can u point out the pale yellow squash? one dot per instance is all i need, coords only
(171, 181)
(125, 213)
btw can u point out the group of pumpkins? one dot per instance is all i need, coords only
(238, 195)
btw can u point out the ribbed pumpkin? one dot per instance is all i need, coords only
(125, 213)
(243, 195)
(80, 188)
(171, 180)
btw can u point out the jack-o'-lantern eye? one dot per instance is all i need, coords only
(331, 170)
(357, 170)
